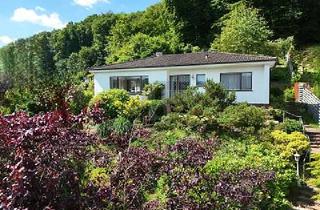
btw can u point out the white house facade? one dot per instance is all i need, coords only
(248, 76)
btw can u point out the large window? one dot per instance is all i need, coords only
(179, 83)
(200, 80)
(133, 84)
(237, 81)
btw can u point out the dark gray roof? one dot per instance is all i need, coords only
(187, 59)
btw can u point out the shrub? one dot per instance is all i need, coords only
(184, 101)
(133, 108)
(104, 129)
(217, 96)
(153, 91)
(235, 157)
(112, 101)
(135, 173)
(42, 160)
(153, 110)
(288, 95)
(169, 122)
(290, 125)
(315, 170)
(121, 125)
(79, 97)
(4, 110)
(289, 144)
(243, 117)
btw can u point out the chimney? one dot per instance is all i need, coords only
(158, 54)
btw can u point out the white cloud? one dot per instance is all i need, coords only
(4, 40)
(89, 3)
(38, 17)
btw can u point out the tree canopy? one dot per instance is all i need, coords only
(243, 31)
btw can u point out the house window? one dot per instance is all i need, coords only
(236, 81)
(179, 83)
(133, 84)
(200, 80)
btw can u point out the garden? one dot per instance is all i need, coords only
(196, 150)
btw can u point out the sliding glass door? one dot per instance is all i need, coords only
(179, 83)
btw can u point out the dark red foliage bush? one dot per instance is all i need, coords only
(135, 173)
(40, 157)
(122, 141)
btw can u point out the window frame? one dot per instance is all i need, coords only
(238, 73)
(177, 90)
(127, 78)
(205, 78)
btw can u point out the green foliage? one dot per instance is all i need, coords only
(290, 125)
(184, 101)
(133, 107)
(244, 31)
(112, 101)
(214, 97)
(139, 35)
(315, 170)
(280, 48)
(168, 122)
(236, 156)
(105, 128)
(197, 18)
(280, 74)
(288, 95)
(289, 144)
(4, 110)
(243, 117)
(121, 125)
(153, 91)
(153, 110)
(161, 191)
(80, 97)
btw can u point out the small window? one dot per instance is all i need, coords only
(200, 80)
(237, 81)
(114, 82)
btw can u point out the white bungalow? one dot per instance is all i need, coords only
(247, 75)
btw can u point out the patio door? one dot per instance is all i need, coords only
(179, 83)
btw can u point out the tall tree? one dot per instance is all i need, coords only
(140, 34)
(244, 31)
(197, 17)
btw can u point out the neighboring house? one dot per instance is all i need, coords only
(247, 75)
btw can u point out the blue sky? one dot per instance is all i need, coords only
(23, 18)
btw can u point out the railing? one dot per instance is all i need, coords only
(306, 156)
(299, 118)
(304, 95)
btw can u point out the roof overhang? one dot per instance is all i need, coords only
(189, 67)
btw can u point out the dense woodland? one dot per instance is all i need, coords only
(59, 58)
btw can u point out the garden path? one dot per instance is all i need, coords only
(314, 135)
(303, 200)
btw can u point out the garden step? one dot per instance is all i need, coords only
(313, 135)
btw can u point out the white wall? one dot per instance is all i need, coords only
(260, 78)
(102, 79)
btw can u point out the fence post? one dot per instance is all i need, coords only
(296, 92)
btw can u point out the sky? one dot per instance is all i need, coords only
(23, 18)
